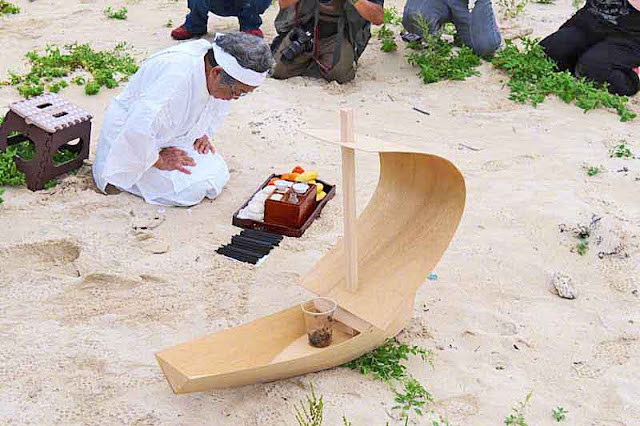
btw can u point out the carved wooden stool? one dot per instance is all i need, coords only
(51, 123)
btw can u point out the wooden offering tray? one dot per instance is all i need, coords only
(285, 218)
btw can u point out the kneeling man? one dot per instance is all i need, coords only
(156, 135)
(601, 42)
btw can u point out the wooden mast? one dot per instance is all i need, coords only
(349, 199)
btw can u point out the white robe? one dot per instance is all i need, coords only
(165, 104)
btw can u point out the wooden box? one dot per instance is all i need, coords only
(284, 213)
(281, 229)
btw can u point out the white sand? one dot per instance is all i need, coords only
(84, 303)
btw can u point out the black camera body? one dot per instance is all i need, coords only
(301, 42)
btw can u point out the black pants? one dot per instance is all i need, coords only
(597, 50)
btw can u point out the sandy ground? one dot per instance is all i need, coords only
(85, 303)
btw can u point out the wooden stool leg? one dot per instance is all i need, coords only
(12, 123)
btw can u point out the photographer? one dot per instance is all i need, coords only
(323, 37)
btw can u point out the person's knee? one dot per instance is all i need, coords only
(620, 82)
(341, 74)
(486, 46)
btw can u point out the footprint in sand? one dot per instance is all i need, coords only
(127, 298)
(619, 274)
(459, 407)
(617, 352)
(608, 354)
(50, 255)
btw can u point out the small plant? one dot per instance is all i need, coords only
(388, 45)
(310, 412)
(78, 80)
(120, 14)
(385, 362)
(583, 247)
(621, 150)
(577, 4)
(9, 173)
(517, 418)
(511, 8)
(169, 23)
(545, 1)
(413, 396)
(592, 171)
(534, 76)
(391, 16)
(559, 414)
(387, 37)
(345, 422)
(7, 8)
(1, 192)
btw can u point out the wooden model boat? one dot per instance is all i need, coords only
(373, 273)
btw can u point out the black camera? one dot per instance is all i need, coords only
(301, 41)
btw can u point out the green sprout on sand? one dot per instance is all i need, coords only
(391, 16)
(621, 150)
(7, 8)
(120, 14)
(169, 23)
(534, 76)
(593, 171)
(583, 247)
(511, 8)
(517, 417)
(559, 414)
(311, 412)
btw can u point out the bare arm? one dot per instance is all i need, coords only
(370, 11)
(286, 3)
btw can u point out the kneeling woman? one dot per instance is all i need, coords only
(602, 43)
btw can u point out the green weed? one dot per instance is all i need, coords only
(517, 418)
(7, 8)
(534, 76)
(108, 68)
(583, 247)
(120, 14)
(310, 412)
(413, 396)
(593, 171)
(169, 23)
(559, 414)
(545, 1)
(391, 16)
(386, 363)
(1, 192)
(621, 150)
(511, 8)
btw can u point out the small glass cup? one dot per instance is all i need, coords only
(318, 318)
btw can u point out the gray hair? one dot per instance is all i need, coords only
(250, 51)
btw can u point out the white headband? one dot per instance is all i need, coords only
(233, 68)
